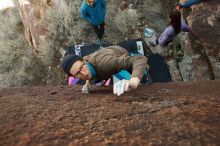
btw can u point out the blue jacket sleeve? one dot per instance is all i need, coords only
(103, 2)
(190, 2)
(84, 14)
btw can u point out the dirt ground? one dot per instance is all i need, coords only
(180, 113)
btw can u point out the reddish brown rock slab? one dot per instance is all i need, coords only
(180, 113)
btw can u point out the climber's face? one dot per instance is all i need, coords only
(80, 70)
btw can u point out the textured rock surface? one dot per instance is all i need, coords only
(32, 14)
(195, 63)
(174, 71)
(203, 50)
(181, 113)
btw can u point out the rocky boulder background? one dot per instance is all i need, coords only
(202, 51)
(52, 25)
(49, 26)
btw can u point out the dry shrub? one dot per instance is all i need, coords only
(168, 6)
(16, 56)
(64, 24)
(126, 21)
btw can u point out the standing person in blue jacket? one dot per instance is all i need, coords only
(174, 28)
(94, 11)
(187, 3)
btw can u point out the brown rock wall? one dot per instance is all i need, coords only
(204, 19)
(32, 13)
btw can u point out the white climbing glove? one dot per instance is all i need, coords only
(119, 87)
(125, 85)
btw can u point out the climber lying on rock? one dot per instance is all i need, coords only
(101, 65)
(174, 28)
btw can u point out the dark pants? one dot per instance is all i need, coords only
(99, 30)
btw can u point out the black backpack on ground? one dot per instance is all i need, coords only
(159, 70)
(130, 45)
(83, 50)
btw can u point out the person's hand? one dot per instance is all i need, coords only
(125, 85)
(85, 88)
(132, 84)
